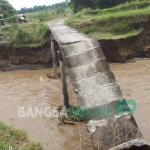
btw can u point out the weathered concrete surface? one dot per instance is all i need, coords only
(95, 86)
(65, 34)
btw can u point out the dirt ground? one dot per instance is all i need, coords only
(30, 88)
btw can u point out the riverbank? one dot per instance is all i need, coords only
(115, 50)
(33, 55)
(123, 30)
(124, 18)
(24, 46)
(122, 49)
(25, 57)
(11, 138)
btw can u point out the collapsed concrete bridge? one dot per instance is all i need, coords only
(96, 87)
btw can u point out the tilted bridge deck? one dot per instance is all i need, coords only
(95, 86)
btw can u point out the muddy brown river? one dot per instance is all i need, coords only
(31, 88)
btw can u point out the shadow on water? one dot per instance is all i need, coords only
(145, 147)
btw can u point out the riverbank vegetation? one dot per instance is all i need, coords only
(122, 20)
(6, 8)
(25, 35)
(15, 139)
(39, 8)
(36, 13)
(48, 15)
(78, 5)
(35, 32)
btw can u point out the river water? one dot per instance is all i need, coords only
(31, 88)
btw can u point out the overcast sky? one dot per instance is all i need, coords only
(17, 4)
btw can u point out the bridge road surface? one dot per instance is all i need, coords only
(64, 34)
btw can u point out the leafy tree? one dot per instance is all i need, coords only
(60, 10)
(109, 3)
(44, 7)
(6, 8)
(25, 10)
(78, 5)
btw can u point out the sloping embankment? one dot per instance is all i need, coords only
(24, 58)
(122, 49)
(118, 50)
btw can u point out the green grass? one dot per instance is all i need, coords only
(68, 10)
(137, 4)
(49, 14)
(35, 32)
(32, 14)
(26, 34)
(15, 138)
(42, 16)
(119, 20)
(107, 35)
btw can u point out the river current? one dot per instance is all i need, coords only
(31, 88)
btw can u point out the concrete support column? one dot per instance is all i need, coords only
(63, 80)
(53, 55)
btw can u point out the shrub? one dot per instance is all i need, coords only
(26, 34)
(12, 19)
(121, 28)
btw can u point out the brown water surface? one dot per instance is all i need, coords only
(30, 88)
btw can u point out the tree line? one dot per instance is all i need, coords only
(44, 7)
(78, 5)
(6, 8)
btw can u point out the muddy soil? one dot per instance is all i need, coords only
(31, 88)
(24, 58)
(120, 50)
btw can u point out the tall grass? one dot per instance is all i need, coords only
(137, 4)
(26, 34)
(117, 20)
(48, 15)
(15, 138)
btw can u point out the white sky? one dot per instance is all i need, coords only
(17, 4)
